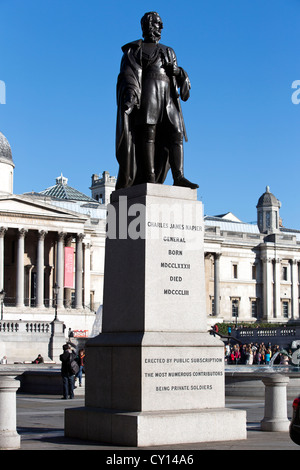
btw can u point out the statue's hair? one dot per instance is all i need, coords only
(146, 17)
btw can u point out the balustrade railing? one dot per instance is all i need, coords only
(37, 327)
(21, 326)
(9, 327)
(282, 336)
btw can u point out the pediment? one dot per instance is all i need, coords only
(26, 206)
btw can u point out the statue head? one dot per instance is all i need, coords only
(151, 26)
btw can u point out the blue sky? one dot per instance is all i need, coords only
(60, 60)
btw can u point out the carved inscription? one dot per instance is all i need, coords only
(175, 238)
(176, 374)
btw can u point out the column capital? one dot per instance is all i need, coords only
(293, 261)
(42, 234)
(2, 231)
(61, 236)
(22, 232)
(80, 237)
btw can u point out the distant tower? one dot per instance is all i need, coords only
(103, 187)
(6, 166)
(268, 206)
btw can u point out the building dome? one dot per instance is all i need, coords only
(268, 199)
(5, 150)
(62, 191)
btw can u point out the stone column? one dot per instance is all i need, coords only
(9, 438)
(217, 284)
(68, 291)
(40, 269)
(48, 286)
(27, 285)
(87, 274)
(294, 288)
(2, 233)
(78, 271)
(20, 269)
(267, 288)
(275, 418)
(277, 280)
(60, 269)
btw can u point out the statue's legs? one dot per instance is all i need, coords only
(149, 152)
(176, 162)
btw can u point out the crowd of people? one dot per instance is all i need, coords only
(256, 353)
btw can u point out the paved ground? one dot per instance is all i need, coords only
(40, 423)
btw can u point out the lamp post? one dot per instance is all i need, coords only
(2, 295)
(55, 290)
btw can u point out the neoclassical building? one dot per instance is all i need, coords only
(252, 270)
(56, 238)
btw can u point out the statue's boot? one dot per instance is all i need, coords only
(182, 181)
(176, 163)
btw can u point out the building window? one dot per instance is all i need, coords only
(235, 307)
(254, 308)
(235, 271)
(253, 271)
(212, 305)
(268, 220)
(284, 273)
(285, 309)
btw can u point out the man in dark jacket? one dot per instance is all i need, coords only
(68, 376)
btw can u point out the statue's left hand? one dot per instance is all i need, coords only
(173, 70)
(176, 70)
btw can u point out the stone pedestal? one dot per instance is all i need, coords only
(275, 418)
(154, 376)
(9, 438)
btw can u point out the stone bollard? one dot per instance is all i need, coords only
(275, 418)
(9, 438)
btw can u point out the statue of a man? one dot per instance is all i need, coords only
(150, 126)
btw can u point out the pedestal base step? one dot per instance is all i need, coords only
(146, 429)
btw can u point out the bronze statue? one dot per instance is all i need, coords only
(150, 126)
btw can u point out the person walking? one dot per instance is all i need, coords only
(68, 371)
(81, 361)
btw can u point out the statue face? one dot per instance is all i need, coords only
(152, 27)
